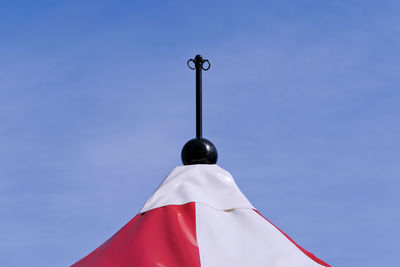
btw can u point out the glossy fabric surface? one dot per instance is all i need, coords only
(207, 184)
(161, 237)
(199, 217)
(241, 237)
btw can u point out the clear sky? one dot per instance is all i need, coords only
(302, 102)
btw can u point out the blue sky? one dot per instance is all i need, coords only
(301, 101)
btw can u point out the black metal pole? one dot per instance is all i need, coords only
(199, 116)
(199, 150)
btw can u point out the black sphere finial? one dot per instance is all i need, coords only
(199, 150)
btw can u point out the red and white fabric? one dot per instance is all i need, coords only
(198, 217)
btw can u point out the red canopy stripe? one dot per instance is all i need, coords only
(163, 236)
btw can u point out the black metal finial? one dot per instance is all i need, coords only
(199, 150)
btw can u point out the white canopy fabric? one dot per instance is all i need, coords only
(207, 184)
